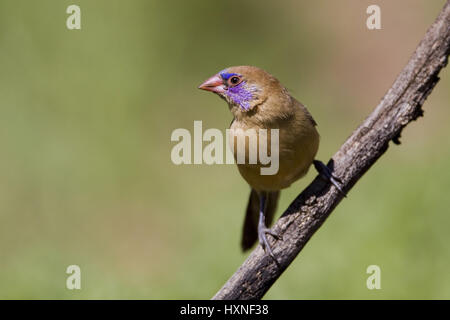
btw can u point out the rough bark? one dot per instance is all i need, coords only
(401, 105)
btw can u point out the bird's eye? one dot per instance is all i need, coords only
(234, 80)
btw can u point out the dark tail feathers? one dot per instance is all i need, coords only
(250, 230)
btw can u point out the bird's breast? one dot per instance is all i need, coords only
(292, 151)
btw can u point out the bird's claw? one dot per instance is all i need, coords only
(262, 235)
(326, 173)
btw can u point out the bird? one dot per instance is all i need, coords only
(257, 100)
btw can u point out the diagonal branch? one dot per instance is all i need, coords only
(401, 105)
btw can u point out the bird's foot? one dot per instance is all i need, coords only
(263, 231)
(326, 173)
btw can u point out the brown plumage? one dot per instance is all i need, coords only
(257, 100)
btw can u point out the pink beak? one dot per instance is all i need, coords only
(213, 84)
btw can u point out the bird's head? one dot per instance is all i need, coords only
(244, 88)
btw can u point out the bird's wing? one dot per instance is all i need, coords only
(307, 114)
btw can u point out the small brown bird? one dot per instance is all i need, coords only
(257, 101)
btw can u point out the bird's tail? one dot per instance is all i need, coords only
(250, 230)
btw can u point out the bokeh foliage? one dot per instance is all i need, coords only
(85, 171)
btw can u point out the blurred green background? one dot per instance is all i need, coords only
(85, 170)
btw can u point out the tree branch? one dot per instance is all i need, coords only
(401, 105)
